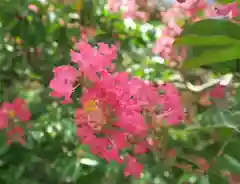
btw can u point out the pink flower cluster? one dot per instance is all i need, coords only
(10, 115)
(130, 9)
(112, 119)
(33, 8)
(218, 92)
(176, 16)
(229, 11)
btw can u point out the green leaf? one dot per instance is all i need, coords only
(19, 172)
(197, 40)
(217, 179)
(213, 27)
(228, 163)
(185, 178)
(4, 148)
(76, 174)
(213, 56)
(213, 41)
(235, 165)
(225, 133)
(203, 180)
(162, 180)
(68, 170)
(225, 1)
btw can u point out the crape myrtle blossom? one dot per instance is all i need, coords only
(218, 92)
(88, 55)
(172, 107)
(111, 118)
(12, 115)
(65, 77)
(174, 18)
(114, 6)
(63, 82)
(130, 9)
(110, 111)
(33, 8)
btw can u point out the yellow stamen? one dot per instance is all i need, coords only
(180, 22)
(12, 114)
(90, 106)
(79, 5)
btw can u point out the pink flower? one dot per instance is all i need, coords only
(218, 92)
(119, 140)
(16, 134)
(111, 108)
(3, 119)
(131, 8)
(192, 5)
(92, 60)
(102, 147)
(33, 8)
(9, 114)
(174, 29)
(111, 154)
(131, 11)
(97, 145)
(62, 82)
(132, 122)
(173, 15)
(233, 10)
(171, 104)
(21, 109)
(140, 148)
(146, 97)
(164, 46)
(133, 167)
(209, 12)
(17, 109)
(140, 15)
(114, 5)
(109, 53)
(230, 10)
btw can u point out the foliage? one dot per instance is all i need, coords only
(33, 43)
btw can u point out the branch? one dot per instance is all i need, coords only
(224, 80)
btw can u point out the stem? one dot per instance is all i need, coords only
(221, 150)
(164, 142)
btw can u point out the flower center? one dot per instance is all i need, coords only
(95, 115)
(12, 114)
(90, 106)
